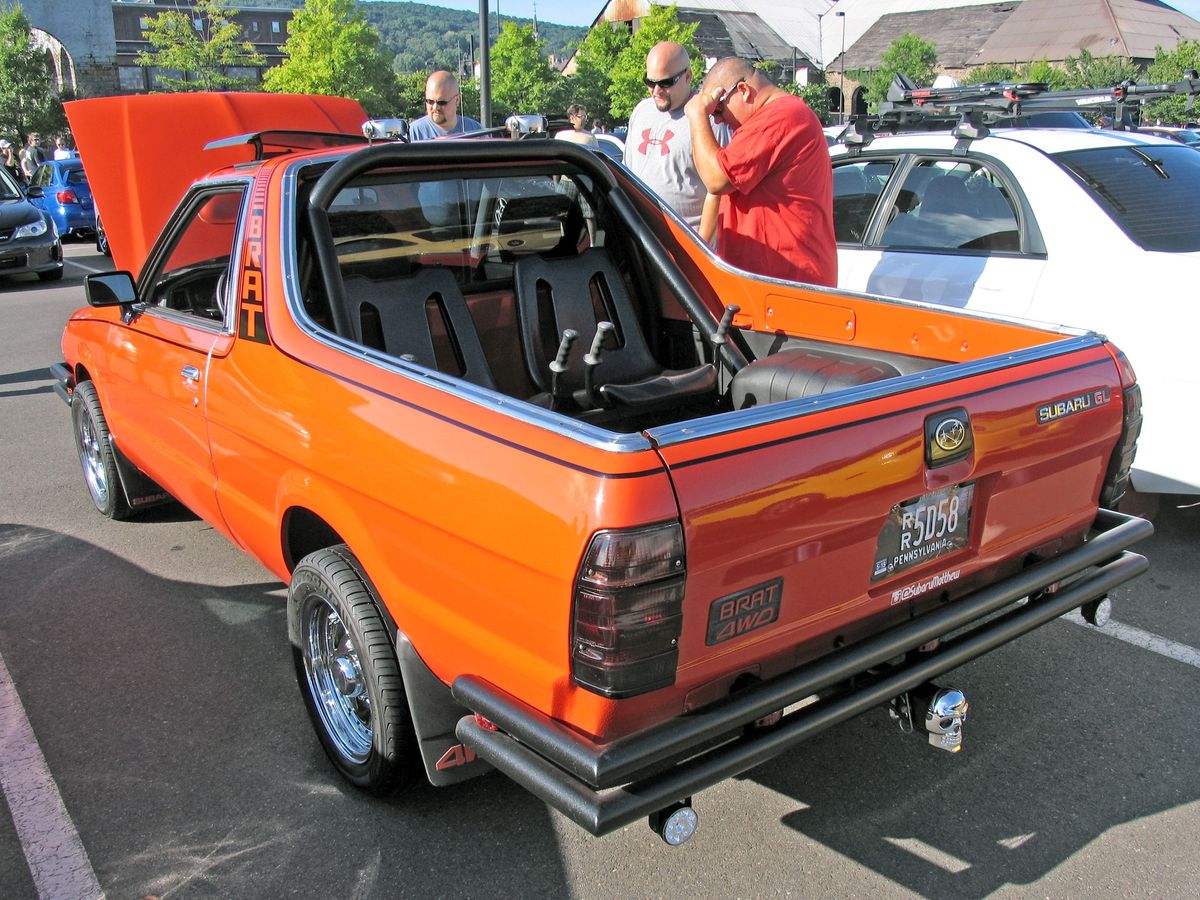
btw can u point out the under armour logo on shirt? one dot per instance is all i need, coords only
(648, 141)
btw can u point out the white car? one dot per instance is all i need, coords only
(1096, 229)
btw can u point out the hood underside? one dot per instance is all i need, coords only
(143, 152)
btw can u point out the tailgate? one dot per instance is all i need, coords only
(811, 524)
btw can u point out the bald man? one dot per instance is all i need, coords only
(658, 146)
(774, 178)
(442, 96)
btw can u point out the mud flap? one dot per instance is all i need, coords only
(141, 491)
(435, 715)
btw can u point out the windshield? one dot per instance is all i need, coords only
(8, 187)
(1149, 191)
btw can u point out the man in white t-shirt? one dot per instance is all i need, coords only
(442, 96)
(658, 147)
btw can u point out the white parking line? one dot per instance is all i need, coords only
(1144, 639)
(57, 861)
(79, 265)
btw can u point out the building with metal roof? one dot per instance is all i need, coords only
(1055, 29)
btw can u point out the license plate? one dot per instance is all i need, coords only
(918, 531)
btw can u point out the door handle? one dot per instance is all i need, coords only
(190, 373)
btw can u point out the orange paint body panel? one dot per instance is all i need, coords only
(471, 506)
(138, 177)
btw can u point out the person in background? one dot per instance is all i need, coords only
(442, 96)
(8, 158)
(774, 178)
(577, 134)
(62, 149)
(658, 145)
(31, 157)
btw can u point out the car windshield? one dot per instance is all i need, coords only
(1149, 191)
(8, 188)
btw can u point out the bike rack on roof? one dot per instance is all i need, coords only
(969, 109)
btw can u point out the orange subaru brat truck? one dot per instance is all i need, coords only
(557, 491)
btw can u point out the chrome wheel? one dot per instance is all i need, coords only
(336, 682)
(91, 455)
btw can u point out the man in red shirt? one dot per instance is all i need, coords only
(774, 178)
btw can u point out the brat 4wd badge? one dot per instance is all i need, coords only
(748, 609)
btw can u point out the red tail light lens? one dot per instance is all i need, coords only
(628, 611)
(67, 196)
(1116, 479)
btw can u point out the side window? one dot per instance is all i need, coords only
(856, 188)
(953, 205)
(192, 275)
(41, 178)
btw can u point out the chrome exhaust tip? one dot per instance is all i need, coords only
(1097, 612)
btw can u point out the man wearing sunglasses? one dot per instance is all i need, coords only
(658, 146)
(774, 178)
(442, 96)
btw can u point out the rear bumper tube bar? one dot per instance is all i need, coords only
(64, 381)
(599, 787)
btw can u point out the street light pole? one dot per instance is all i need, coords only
(842, 120)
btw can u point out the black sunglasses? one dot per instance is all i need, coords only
(665, 83)
(429, 102)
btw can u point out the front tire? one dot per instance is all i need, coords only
(96, 454)
(52, 275)
(348, 674)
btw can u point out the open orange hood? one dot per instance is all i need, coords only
(142, 152)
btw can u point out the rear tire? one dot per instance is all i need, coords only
(102, 239)
(96, 453)
(348, 673)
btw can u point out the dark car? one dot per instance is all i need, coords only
(66, 196)
(28, 238)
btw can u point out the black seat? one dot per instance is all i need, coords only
(578, 293)
(399, 309)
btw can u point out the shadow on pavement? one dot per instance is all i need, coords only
(170, 718)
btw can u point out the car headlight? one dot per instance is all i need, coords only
(33, 229)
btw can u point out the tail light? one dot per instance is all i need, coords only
(1116, 479)
(628, 611)
(67, 196)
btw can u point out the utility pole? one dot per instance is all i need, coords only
(842, 119)
(485, 69)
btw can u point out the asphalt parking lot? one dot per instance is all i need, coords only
(153, 741)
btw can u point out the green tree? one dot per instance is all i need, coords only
(662, 24)
(991, 73)
(1087, 71)
(910, 55)
(595, 60)
(1041, 72)
(1168, 66)
(815, 95)
(522, 80)
(28, 101)
(332, 49)
(200, 44)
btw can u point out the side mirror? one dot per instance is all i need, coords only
(34, 193)
(110, 289)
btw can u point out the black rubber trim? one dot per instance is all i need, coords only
(579, 778)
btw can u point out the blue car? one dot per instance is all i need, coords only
(66, 196)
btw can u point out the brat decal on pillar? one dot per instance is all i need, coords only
(252, 321)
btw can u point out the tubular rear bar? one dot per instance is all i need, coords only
(605, 787)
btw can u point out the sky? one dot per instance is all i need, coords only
(584, 12)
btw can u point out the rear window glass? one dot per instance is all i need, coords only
(1149, 191)
(76, 176)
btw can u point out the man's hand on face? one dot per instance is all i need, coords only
(703, 104)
